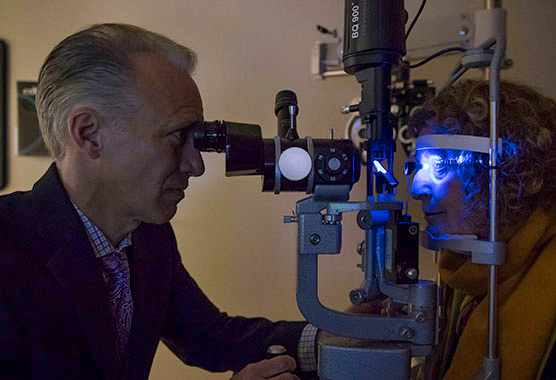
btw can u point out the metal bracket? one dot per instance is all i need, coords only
(481, 251)
(337, 208)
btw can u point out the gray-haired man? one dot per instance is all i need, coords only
(91, 278)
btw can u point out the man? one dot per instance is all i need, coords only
(91, 278)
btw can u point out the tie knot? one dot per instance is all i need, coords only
(120, 253)
(116, 267)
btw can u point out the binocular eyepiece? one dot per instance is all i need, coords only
(286, 162)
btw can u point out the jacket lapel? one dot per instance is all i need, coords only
(150, 286)
(77, 271)
(66, 252)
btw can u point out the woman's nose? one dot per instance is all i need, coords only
(420, 189)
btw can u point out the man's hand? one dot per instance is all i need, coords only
(278, 368)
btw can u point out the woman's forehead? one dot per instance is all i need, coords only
(425, 153)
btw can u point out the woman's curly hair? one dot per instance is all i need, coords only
(527, 125)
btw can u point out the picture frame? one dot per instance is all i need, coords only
(3, 112)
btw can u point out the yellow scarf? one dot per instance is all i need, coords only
(526, 302)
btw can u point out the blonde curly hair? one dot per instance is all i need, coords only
(527, 124)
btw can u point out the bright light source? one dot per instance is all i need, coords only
(379, 167)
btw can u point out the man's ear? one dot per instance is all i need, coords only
(83, 127)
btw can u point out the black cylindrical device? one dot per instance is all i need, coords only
(242, 143)
(374, 41)
(374, 33)
(286, 110)
(334, 161)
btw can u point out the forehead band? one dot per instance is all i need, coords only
(459, 142)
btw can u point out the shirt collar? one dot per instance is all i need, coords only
(100, 243)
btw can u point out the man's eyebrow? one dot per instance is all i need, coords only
(191, 125)
(184, 125)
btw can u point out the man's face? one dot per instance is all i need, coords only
(146, 165)
(441, 194)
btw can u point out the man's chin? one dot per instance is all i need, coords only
(162, 216)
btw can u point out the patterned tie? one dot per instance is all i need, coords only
(116, 276)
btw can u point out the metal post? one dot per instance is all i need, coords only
(493, 4)
(490, 4)
(493, 234)
(492, 363)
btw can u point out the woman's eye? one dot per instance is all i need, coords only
(440, 171)
(438, 167)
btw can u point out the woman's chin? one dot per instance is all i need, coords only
(439, 230)
(436, 230)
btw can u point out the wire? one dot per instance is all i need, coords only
(415, 19)
(405, 64)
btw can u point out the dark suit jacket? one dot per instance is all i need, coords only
(55, 321)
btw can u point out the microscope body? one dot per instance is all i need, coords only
(360, 346)
(369, 346)
(363, 346)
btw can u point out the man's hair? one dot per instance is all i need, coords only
(527, 125)
(93, 68)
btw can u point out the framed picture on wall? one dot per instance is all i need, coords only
(3, 112)
(30, 141)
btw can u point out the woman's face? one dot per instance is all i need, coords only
(441, 194)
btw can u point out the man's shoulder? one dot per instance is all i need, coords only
(15, 207)
(17, 231)
(16, 215)
(21, 204)
(15, 199)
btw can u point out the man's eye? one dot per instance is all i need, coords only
(180, 134)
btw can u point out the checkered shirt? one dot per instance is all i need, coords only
(306, 349)
(100, 243)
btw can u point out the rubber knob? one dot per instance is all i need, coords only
(295, 164)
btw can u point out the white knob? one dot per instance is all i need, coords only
(295, 164)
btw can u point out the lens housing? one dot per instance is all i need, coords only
(334, 161)
(242, 143)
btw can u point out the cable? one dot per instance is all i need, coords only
(439, 53)
(405, 64)
(415, 19)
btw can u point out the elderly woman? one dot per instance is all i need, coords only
(454, 191)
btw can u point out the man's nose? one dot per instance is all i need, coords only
(191, 161)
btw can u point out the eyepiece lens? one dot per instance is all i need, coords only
(210, 136)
